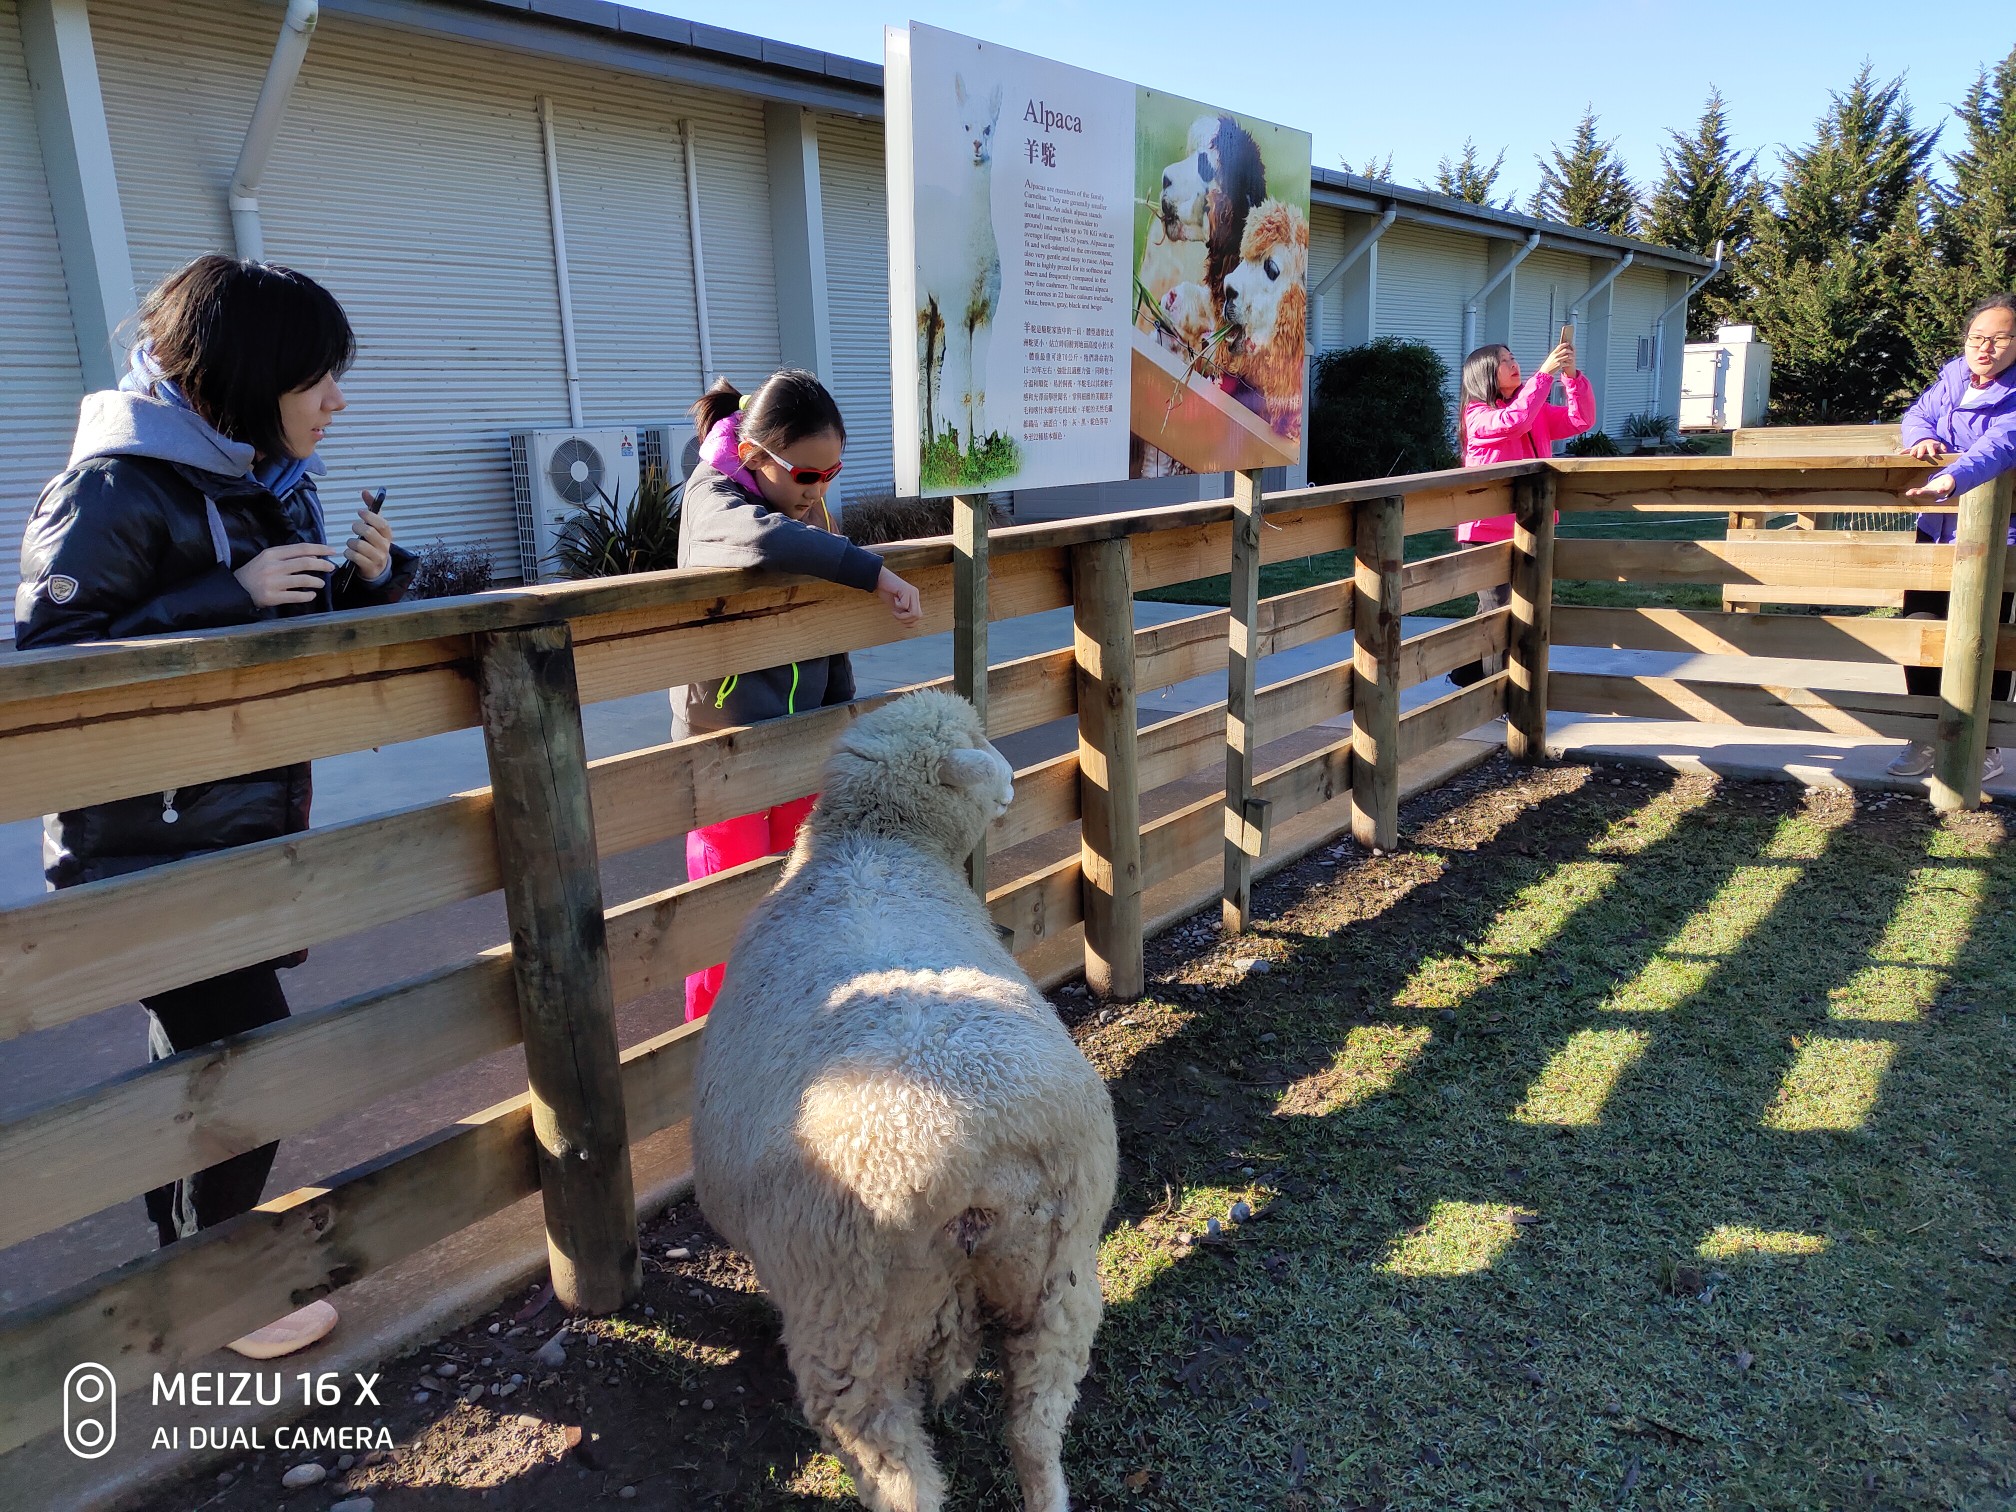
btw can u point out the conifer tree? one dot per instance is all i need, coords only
(1708, 192)
(1973, 223)
(1586, 185)
(1374, 167)
(1833, 272)
(1470, 178)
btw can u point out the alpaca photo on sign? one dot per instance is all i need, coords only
(1221, 250)
(958, 292)
(1266, 308)
(1206, 195)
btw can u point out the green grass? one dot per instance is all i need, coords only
(1307, 572)
(1640, 1145)
(1620, 1141)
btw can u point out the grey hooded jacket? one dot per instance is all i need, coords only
(722, 524)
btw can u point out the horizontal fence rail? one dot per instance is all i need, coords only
(1131, 813)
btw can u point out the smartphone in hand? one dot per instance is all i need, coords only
(374, 500)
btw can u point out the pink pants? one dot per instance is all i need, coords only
(715, 848)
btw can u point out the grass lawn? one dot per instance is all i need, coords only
(1306, 572)
(1640, 1144)
(1622, 1140)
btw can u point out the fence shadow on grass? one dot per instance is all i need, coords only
(1475, 1284)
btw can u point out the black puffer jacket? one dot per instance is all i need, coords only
(141, 536)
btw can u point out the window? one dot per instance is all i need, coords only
(1644, 352)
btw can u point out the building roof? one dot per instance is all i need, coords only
(624, 37)
(1348, 191)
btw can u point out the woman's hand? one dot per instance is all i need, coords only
(1938, 488)
(1930, 449)
(290, 574)
(901, 598)
(370, 546)
(1561, 361)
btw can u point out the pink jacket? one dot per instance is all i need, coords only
(1524, 427)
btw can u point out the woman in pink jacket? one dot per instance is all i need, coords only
(1506, 419)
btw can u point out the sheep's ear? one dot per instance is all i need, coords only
(965, 768)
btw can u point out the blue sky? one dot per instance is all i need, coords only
(1414, 79)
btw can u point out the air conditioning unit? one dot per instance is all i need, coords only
(664, 448)
(556, 472)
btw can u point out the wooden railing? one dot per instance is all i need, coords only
(1968, 645)
(84, 725)
(1130, 810)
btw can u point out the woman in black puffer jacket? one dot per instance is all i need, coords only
(190, 503)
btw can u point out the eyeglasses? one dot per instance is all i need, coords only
(1990, 343)
(804, 477)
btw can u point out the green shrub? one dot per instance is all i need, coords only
(609, 538)
(1379, 410)
(1595, 444)
(445, 571)
(1650, 427)
(879, 518)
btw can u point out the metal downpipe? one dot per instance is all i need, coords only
(296, 31)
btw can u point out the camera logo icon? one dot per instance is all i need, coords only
(90, 1410)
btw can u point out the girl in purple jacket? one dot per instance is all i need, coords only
(1969, 409)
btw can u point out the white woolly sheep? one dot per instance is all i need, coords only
(890, 1122)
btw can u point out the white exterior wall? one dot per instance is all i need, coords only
(1545, 285)
(409, 177)
(853, 196)
(40, 378)
(1425, 274)
(1635, 302)
(1329, 238)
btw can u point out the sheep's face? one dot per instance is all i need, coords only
(920, 768)
(983, 774)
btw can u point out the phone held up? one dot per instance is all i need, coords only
(374, 500)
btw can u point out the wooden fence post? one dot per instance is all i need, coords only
(560, 962)
(1109, 775)
(1973, 619)
(1245, 815)
(1532, 614)
(969, 632)
(1380, 537)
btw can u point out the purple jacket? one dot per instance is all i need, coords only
(1984, 436)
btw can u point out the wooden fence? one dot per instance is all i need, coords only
(1129, 810)
(82, 725)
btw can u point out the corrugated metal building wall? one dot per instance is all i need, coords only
(410, 178)
(853, 195)
(1328, 237)
(40, 380)
(1635, 302)
(1424, 277)
(1545, 285)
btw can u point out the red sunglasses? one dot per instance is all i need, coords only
(804, 477)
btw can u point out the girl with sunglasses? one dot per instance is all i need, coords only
(758, 499)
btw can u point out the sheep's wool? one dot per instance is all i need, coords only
(893, 1125)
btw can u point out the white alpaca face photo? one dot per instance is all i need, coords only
(1254, 290)
(977, 119)
(1187, 182)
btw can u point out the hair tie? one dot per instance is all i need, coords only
(744, 402)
